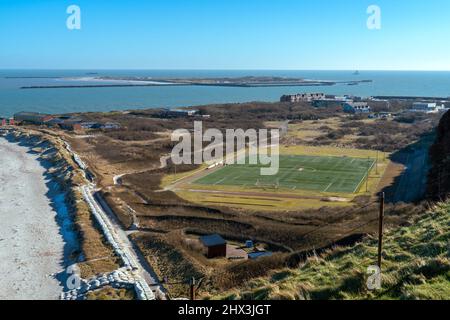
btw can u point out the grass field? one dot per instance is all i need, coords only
(316, 173)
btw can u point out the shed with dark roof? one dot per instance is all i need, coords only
(215, 246)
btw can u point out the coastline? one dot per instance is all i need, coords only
(231, 83)
(74, 233)
(37, 235)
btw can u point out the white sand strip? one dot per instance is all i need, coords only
(31, 239)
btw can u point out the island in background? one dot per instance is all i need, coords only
(249, 81)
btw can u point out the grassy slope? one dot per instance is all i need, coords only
(416, 266)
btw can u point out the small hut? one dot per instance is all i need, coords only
(215, 246)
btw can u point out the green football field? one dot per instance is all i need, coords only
(323, 174)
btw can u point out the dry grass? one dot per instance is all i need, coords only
(257, 203)
(415, 266)
(109, 293)
(170, 260)
(99, 255)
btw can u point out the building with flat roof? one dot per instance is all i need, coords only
(259, 254)
(176, 113)
(356, 107)
(71, 125)
(427, 107)
(302, 97)
(32, 117)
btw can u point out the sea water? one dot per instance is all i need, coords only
(14, 99)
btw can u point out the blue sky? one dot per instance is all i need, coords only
(225, 34)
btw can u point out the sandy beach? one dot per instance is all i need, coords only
(35, 231)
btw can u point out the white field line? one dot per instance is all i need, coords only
(184, 177)
(221, 180)
(328, 187)
(364, 177)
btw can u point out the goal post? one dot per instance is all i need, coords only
(365, 178)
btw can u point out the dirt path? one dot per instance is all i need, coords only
(256, 194)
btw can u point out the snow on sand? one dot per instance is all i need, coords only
(32, 246)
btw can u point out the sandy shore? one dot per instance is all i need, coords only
(35, 230)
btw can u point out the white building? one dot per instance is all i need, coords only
(356, 107)
(427, 107)
(302, 97)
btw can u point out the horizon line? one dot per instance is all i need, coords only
(229, 69)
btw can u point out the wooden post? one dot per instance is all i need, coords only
(376, 168)
(192, 288)
(368, 173)
(380, 228)
(367, 182)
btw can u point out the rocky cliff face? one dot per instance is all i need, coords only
(439, 177)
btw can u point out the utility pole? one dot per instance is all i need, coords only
(380, 228)
(368, 172)
(367, 182)
(192, 288)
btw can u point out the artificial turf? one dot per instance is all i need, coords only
(317, 173)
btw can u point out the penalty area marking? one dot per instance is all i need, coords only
(328, 187)
(220, 181)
